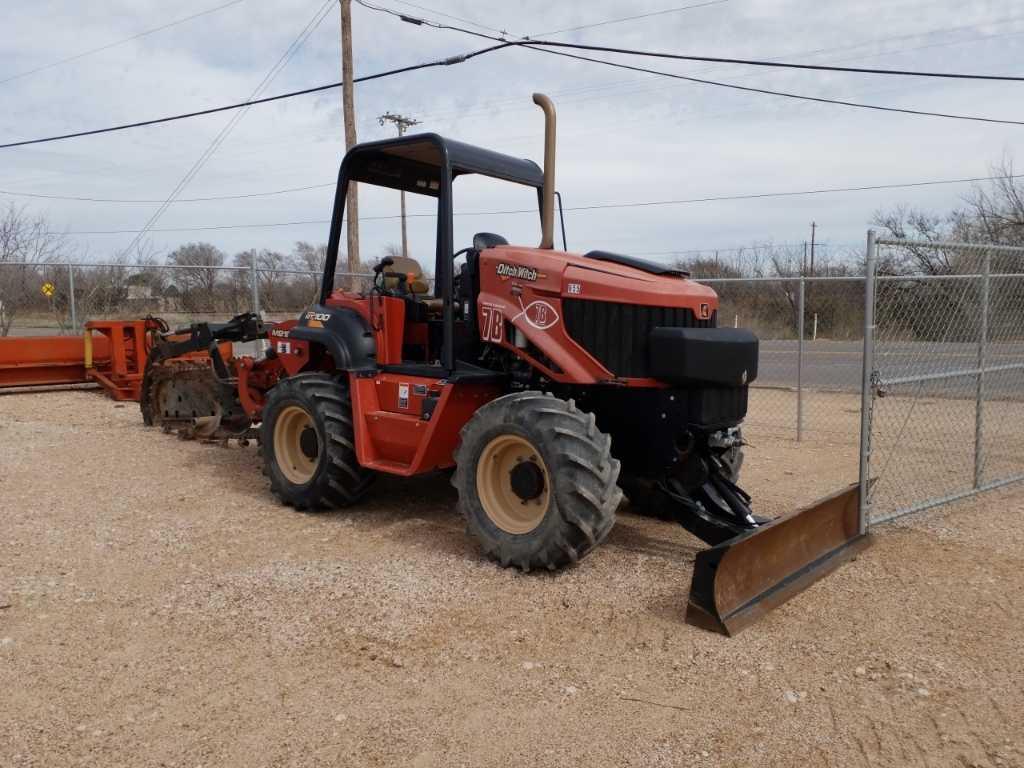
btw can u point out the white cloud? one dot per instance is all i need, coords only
(623, 137)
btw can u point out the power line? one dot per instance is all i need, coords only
(458, 59)
(108, 46)
(471, 23)
(710, 59)
(501, 44)
(537, 46)
(198, 229)
(171, 118)
(776, 64)
(800, 193)
(149, 200)
(741, 249)
(632, 18)
(783, 94)
(594, 207)
(703, 114)
(488, 108)
(236, 118)
(451, 60)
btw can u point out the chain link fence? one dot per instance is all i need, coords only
(944, 407)
(56, 298)
(811, 332)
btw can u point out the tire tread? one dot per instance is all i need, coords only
(343, 481)
(585, 492)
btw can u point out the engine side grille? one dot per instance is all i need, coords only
(618, 335)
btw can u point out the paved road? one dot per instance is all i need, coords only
(836, 365)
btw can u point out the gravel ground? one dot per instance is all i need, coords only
(157, 608)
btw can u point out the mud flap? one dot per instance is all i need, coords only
(740, 580)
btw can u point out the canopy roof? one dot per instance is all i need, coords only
(417, 163)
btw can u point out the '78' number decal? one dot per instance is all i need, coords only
(493, 323)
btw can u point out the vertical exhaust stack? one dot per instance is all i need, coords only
(547, 239)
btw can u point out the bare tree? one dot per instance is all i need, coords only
(771, 307)
(146, 268)
(708, 268)
(272, 285)
(150, 275)
(102, 290)
(26, 243)
(197, 283)
(310, 258)
(905, 223)
(992, 213)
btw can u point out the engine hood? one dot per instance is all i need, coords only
(596, 275)
(650, 267)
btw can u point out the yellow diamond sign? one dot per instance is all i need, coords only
(48, 289)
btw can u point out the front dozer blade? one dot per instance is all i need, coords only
(740, 580)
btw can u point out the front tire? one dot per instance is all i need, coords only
(308, 444)
(536, 481)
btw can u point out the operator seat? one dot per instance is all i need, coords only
(415, 283)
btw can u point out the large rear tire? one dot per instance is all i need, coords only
(536, 481)
(308, 443)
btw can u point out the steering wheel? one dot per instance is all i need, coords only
(457, 276)
(380, 275)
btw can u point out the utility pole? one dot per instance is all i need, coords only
(814, 229)
(349, 111)
(403, 124)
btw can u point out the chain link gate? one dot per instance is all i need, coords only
(943, 388)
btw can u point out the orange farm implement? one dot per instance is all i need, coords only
(111, 353)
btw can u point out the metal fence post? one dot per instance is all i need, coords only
(866, 379)
(255, 285)
(800, 360)
(71, 297)
(979, 405)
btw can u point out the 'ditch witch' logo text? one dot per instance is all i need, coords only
(517, 272)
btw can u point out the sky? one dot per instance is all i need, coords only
(623, 137)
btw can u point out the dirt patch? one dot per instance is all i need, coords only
(161, 610)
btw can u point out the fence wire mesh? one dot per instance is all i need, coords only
(811, 347)
(55, 298)
(947, 396)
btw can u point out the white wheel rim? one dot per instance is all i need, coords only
(292, 460)
(504, 507)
